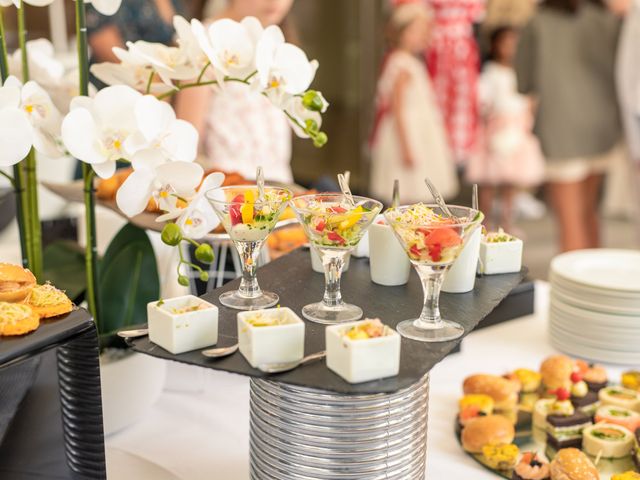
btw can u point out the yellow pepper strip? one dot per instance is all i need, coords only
(247, 208)
(352, 218)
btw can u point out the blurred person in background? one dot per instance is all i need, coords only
(565, 62)
(148, 20)
(409, 140)
(242, 130)
(508, 154)
(504, 13)
(453, 59)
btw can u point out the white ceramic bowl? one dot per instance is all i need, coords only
(271, 344)
(182, 332)
(362, 360)
(461, 277)
(388, 262)
(500, 257)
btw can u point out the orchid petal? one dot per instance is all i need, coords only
(153, 117)
(184, 177)
(80, 136)
(134, 194)
(105, 169)
(106, 7)
(181, 141)
(16, 136)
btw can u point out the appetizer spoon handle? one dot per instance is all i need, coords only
(344, 186)
(313, 356)
(395, 202)
(438, 198)
(474, 198)
(140, 332)
(260, 183)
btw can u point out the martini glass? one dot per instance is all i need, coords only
(248, 218)
(334, 224)
(433, 241)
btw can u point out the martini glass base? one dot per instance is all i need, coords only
(320, 313)
(444, 332)
(240, 302)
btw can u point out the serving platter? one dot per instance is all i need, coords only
(530, 439)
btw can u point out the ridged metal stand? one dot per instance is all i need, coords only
(81, 400)
(300, 433)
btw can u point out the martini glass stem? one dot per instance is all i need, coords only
(249, 253)
(333, 262)
(431, 278)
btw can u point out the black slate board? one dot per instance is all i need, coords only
(292, 278)
(51, 333)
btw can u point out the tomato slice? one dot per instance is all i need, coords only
(235, 214)
(334, 237)
(445, 237)
(415, 251)
(238, 198)
(337, 209)
(321, 225)
(435, 252)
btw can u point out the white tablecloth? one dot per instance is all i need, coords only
(203, 434)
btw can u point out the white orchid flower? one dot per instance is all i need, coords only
(283, 69)
(134, 71)
(159, 130)
(170, 63)
(96, 129)
(189, 44)
(43, 117)
(152, 176)
(198, 218)
(44, 67)
(230, 46)
(16, 132)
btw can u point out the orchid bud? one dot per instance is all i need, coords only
(184, 281)
(314, 101)
(320, 139)
(204, 253)
(171, 234)
(311, 125)
(204, 277)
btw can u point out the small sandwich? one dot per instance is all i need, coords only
(531, 467)
(473, 406)
(17, 319)
(47, 301)
(596, 377)
(620, 397)
(582, 397)
(556, 372)
(15, 282)
(607, 441)
(529, 379)
(541, 409)
(504, 392)
(618, 416)
(572, 464)
(565, 424)
(489, 430)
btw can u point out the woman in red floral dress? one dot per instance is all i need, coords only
(453, 60)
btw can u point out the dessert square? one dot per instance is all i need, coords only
(565, 431)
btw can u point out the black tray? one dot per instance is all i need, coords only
(292, 278)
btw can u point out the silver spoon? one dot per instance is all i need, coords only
(140, 332)
(474, 197)
(438, 198)
(260, 183)
(395, 199)
(220, 351)
(346, 191)
(285, 367)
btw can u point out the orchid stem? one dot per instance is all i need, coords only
(8, 177)
(29, 200)
(149, 82)
(4, 64)
(91, 251)
(204, 70)
(184, 86)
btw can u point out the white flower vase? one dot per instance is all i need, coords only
(131, 385)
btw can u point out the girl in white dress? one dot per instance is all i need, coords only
(409, 141)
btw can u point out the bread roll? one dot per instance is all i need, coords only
(15, 282)
(572, 464)
(481, 431)
(504, 392)
(556, 372)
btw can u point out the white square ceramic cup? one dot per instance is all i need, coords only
(461, 277)
(182, 332)
(316, 263)
(500, 257)
(271, 344)
(360, 361)
(388, 262)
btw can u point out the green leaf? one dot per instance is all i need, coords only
(128, 280)
(64, 266)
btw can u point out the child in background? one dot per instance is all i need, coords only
(408, 140)
(508, 155)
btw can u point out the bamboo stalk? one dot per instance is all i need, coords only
(18, 178)
(91, 252)
(30, 194)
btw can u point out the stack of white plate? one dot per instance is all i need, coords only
(595, 305)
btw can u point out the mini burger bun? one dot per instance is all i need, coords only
(556, 372)
(19, 281)
(491, 429)
(504, 392)
(572, 464)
